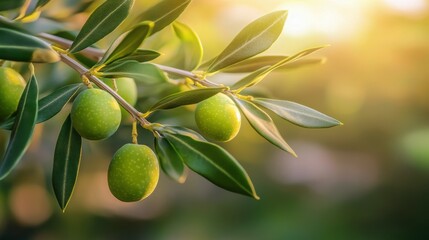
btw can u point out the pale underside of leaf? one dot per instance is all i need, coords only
(263, 124)
(298, 114)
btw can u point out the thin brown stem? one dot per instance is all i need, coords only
(85, 72)
(97, 54)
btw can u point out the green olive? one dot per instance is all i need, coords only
(133, 173)
(95, 114)
(218, 118)
(127, 89)
(11, 87)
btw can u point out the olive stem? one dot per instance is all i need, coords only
(97, 54)
(86, 73)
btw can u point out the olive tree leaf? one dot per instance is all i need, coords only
(253, 64)
(214, 163)
(140, 55)
(263, 124)
(163, 13)
(22, 129)
(129, 44)
(185, 98)
(6, 5)
(67, 156)
(50, 105)
(143, 72)
(191, 51)
(18, 46)
(170, 161)
(107, 17)
(298, 114)
(255, 38)
(254, 78)
(42, 3)
(181, 131)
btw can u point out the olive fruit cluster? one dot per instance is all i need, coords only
(133, 173)
(11, 87)
(218, 118)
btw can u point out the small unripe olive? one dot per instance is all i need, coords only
(218, 118)
(127, 89)
(95, 114)
(133, 173)
(11, 87)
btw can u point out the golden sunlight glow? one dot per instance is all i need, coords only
(333, 18)
(407, 6)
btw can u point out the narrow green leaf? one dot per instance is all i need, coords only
(6, 5)
(50, 105)
(22, 129)
(169, 160)
(129, 44)
(140, 55)
(298, 114)
(102, 21)
(254, 78)
(263, 124)
(251, 77)
(42, 3)
(18, 46)
(143, 72)
(214, 163)
(181, 131)
(9, 24)
(191, 51)
(185, 98)
(68, 153)
(253, 64)
(163, 13)
(255, 38)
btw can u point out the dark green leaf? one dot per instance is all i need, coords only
(297, 113)
(102, 21)
(143, 72)
(18, 46)
(10, 4)
(163, 13)
(213, 163)
(6, 23)
(68, 153)
(263, 124)
(253, 64)
(50, 105)
(169, 160)
(22, 129)
(190, 51)
(129, 44)
(185, 98)
(254, 78)
(140, 55)
(42, 3)
(255, 38)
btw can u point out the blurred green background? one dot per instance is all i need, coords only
(367, 179)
